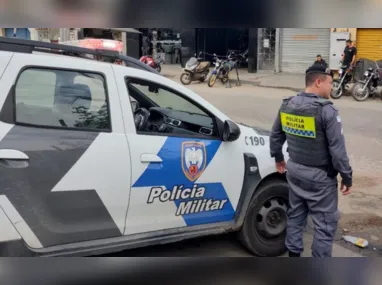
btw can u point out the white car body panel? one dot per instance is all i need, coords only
(116, 165)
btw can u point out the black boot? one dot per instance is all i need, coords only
(292, 254)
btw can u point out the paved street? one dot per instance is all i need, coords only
(361, 211)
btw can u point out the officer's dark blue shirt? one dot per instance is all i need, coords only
(334, 133)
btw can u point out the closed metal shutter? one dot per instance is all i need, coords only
(299, 48)
(369, 44)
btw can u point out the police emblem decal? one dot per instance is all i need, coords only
(193, 159)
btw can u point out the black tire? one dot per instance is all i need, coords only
(186, 78)
(355, 95)
(271, 195)
(341, 90)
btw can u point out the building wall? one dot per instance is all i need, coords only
(23, 33)
(34, 34)
(352, 31)
(300, 46)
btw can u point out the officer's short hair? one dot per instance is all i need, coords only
(348, 41)
(316, 71)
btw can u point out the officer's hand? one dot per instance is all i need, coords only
(345, 189)
(280, 166)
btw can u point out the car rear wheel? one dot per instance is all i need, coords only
(264, 229)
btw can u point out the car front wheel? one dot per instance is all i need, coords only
(264, 229)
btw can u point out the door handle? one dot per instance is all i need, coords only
(12, 154)
(148, 158)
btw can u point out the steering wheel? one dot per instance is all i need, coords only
(141, 118)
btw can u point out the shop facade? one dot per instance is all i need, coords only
(369, 44)
(299, 48)
(176, 46)
(22, 33)
(268, 50)
(130, 37)
(37, 34)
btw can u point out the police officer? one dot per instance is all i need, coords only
(312, 128)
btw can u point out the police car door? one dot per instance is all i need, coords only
(61, 137)
(183, 179)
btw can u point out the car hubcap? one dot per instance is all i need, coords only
(272, 217)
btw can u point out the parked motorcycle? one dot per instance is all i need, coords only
(195, 70)
(367, 87)
(156, 64)
(225, 66)
(218, 72)
(340, 85)
(240, 57)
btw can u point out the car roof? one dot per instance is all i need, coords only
(76, 53)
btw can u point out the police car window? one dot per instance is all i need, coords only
(96, 86)
(166, 99)
(58, 98)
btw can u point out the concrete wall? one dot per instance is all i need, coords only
(34, 34)
(352, 31)
(52, 34)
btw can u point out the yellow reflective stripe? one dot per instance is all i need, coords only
(302, 126)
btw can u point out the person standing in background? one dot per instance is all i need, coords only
(320, 61)
(349, 55)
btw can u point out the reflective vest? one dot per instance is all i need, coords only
(306, 138)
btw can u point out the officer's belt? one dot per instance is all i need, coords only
(328, 169)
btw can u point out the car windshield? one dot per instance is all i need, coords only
(170, 100)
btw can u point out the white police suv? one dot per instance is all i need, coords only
(97, 157)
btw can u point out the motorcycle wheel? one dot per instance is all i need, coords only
(224, 79)
(357, 95)
(338, 90)
(158, 68)
(186, 78)
(212, 80)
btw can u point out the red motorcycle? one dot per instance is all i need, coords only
(147, 59)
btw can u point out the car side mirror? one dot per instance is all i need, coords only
(231, 131)
(153, 89)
